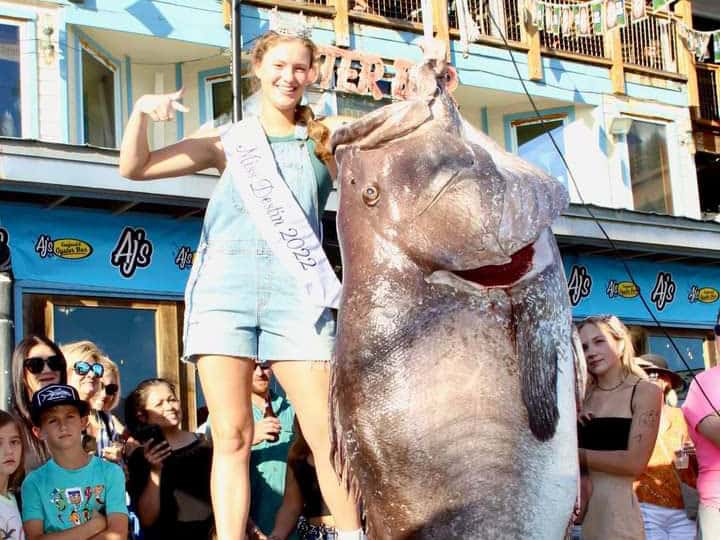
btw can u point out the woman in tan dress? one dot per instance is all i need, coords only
(618, 428)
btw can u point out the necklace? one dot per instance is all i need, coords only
(618, 385)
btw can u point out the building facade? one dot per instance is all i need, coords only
(88, 254)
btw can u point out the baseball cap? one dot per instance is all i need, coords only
(54, 395)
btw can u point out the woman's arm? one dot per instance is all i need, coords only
(290, 509)
(643, 434)
(200, 151)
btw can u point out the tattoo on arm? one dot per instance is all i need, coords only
(649, 419)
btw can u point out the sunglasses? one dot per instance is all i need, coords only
(110, 389)
(264, 367)
(36, 364)
(83, 368)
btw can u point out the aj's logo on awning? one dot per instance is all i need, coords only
(706, 295)
(65, 248)
(184, 257)
(132, 251)
(663, 292)
(579, 284)
(623, 289)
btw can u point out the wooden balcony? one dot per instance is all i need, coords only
(650, 46)
(708, 112)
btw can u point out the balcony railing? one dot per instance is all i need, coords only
(402, 10)
(651, 43)
(708, 76)
(505, 12)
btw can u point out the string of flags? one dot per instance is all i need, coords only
(594, 17)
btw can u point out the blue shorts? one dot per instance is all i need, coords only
(240, 301)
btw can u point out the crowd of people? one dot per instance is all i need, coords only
(77, 471)
(260, 467)
(649, 468)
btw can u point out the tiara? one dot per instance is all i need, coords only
(291, 24)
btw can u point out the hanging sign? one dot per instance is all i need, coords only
(660, 4)
(614, 14)
(638, 10)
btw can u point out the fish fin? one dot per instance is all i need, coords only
(537, 355)
(339, 457)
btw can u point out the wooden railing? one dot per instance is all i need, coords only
(651, 43)
(709, 92)
(402, 10)
(505, 12)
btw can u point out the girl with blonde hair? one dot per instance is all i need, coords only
(244, 299)
(617, 431)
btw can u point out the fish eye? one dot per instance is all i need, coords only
(371, 195)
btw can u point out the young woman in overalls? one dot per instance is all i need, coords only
(241, 301)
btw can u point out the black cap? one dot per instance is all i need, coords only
(54, 395)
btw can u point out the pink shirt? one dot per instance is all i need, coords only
(695, 408)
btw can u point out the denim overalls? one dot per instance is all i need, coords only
(240, 300)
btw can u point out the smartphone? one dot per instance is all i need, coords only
(150, 432)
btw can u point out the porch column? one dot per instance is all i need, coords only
(442, 25)
(341, 22)
(613, 48)
(686, 58)
(530, 36)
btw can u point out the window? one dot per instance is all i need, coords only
(220, 99)
(10, 106)
(649, 170)
(532, 142)
(141, 337)
(98, 88)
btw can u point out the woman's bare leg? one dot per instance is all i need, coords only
(226, 383)
(307, 385)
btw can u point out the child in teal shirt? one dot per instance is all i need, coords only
(73, 496)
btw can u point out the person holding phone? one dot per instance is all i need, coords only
(169, 474)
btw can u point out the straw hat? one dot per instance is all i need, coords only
(654, 363)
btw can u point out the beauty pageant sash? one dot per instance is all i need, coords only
(276, 213)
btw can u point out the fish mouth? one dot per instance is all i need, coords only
(501, 275)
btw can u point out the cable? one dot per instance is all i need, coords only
(594, 218)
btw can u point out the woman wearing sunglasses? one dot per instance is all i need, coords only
(85, 371)
(36, 363)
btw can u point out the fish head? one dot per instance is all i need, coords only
(418, 175)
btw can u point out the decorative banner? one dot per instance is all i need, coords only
(555, 20)
(597, 17)
(660, 4)
(594, 17)
(566, 20)
(638, 10)
(582, 20)
(614, 14)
